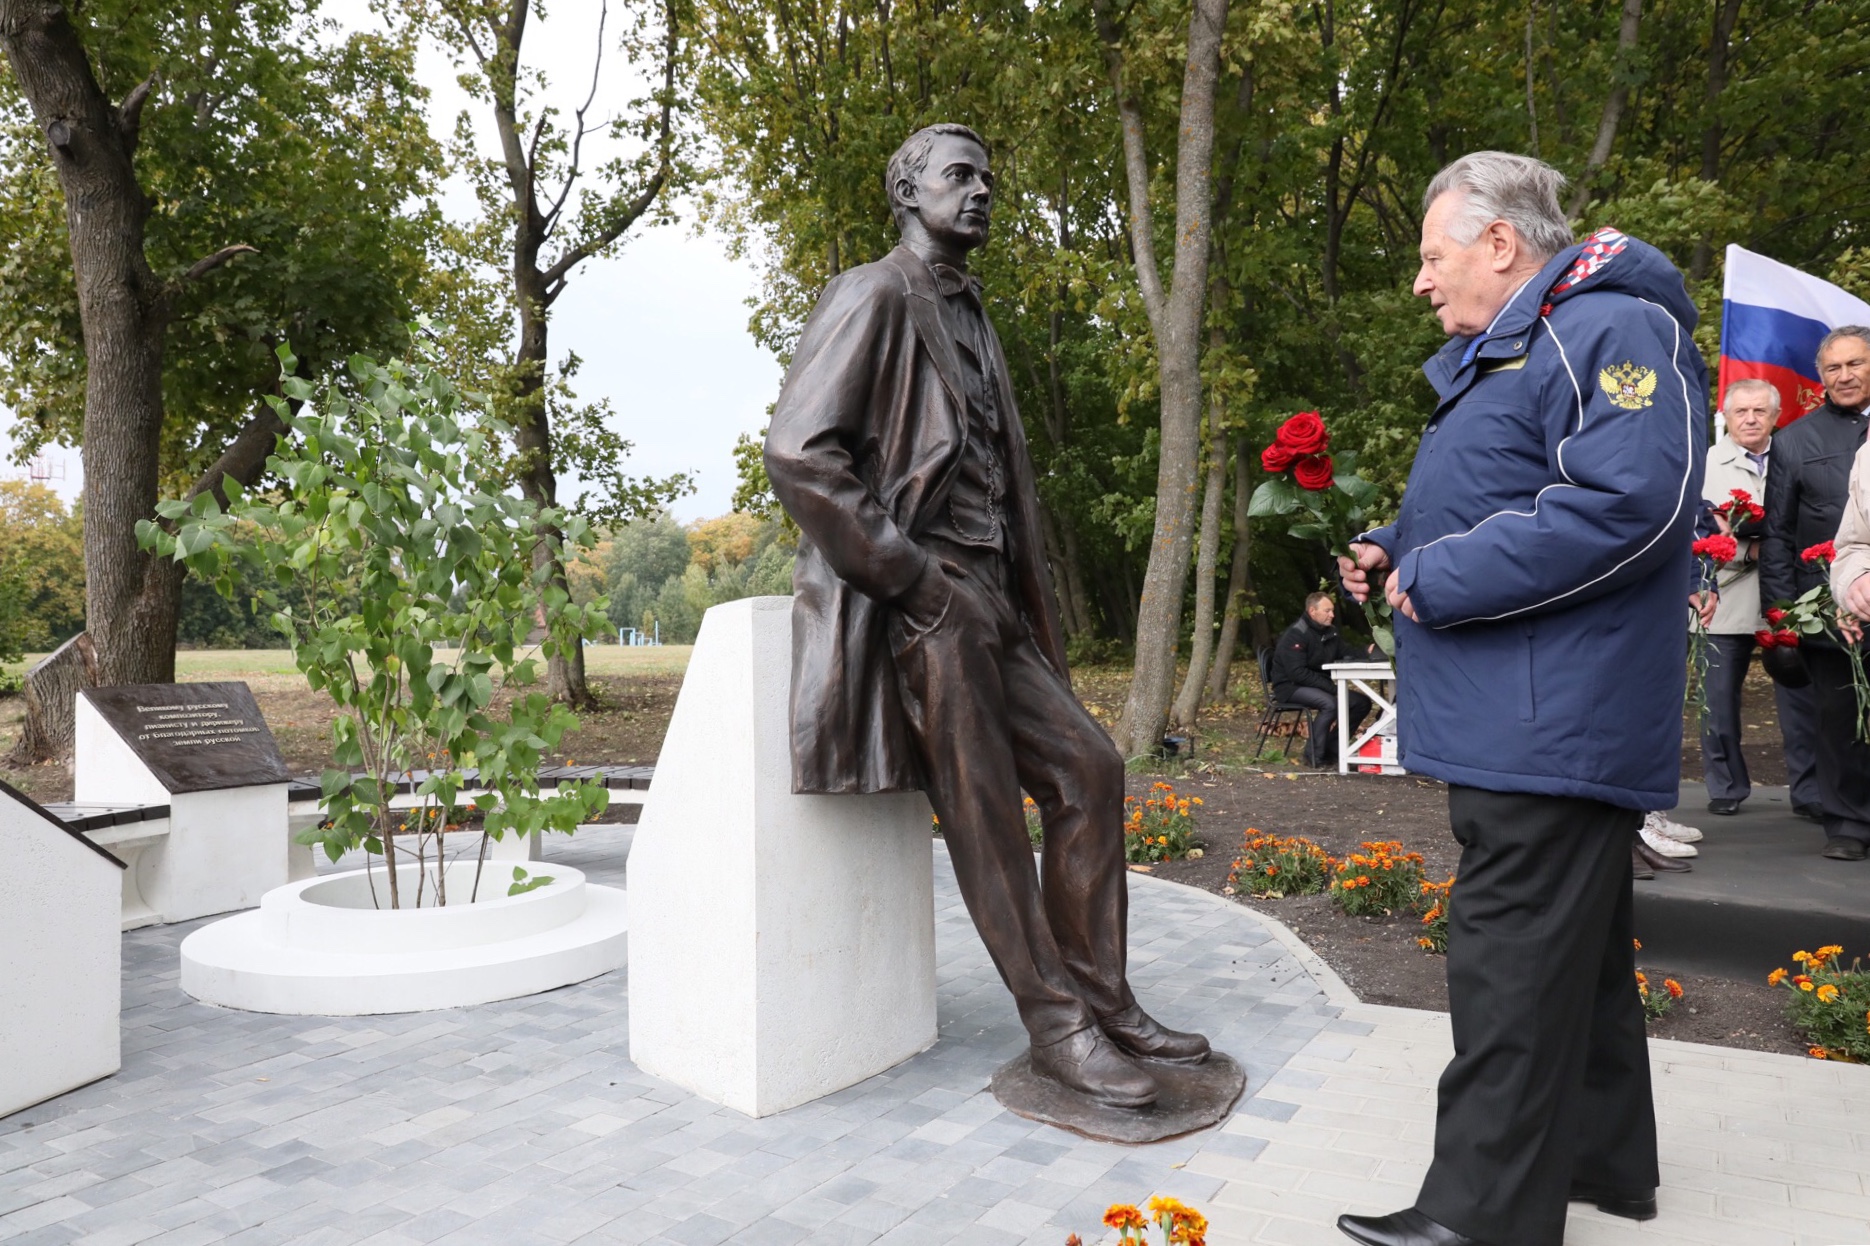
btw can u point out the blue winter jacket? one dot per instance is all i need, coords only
(1544, 537)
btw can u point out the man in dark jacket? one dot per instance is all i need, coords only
(1536, 572)
(926, 651)
(1805, 495)
(1299, 677)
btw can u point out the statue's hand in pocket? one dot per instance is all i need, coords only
(926, 603)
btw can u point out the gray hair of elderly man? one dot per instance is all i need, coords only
(1844, 330)
(1500, 186)
(1752, 383)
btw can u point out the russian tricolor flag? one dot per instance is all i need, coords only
(1772, 319)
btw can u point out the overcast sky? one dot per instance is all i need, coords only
(661, 327)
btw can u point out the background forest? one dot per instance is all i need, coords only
(1207, 219)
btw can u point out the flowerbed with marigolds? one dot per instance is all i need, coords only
(1433, 904)
(1379, 880)
(1159, 826)
(1271, 867)
(1830, 1004)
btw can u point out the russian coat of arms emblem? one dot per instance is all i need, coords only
(1628, 386)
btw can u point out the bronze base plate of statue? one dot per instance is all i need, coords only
(1189, 1097)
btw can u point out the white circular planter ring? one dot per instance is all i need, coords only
(321, 947)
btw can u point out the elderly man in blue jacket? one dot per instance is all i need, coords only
(1536, 570)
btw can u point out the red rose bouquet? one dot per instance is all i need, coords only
(1325, 499)
(1815, 613)
(1711, 554)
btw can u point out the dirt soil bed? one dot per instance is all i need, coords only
(1377, 957)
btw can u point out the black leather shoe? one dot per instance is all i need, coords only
(1639, 865)
(1656, 861)
(1838, 848)
(1811, 813)
(1402, 1228)
(1630, 1204)
(1138, 1034)
(1090, 1064)
(1723, 806)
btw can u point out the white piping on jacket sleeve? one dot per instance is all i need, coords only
(1688, 435)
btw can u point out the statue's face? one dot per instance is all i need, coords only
(954, 196)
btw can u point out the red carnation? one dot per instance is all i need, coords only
(1766, 639)
(1721, 549)
(1741, 495)
(1313, 472)
(1276, 458)
(1775, 615)
(1824, 551)
(1304, 433)
(1787, 638)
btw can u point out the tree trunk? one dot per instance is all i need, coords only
(538, 483)
(51, 691)
(1613, 107)
(1074, 609)
(1207, 557)
(1239, 584)
(123, 308)
(1175, 317)
(1725, 18)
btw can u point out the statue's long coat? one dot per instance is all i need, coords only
(863, 448)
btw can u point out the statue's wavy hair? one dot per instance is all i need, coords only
(913, 157)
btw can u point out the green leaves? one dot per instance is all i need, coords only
(405, 586)
(1276, 495)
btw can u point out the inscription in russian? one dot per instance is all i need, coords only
(194, 737)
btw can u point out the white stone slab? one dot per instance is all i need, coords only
(61, 971)
(224, 849)
(782, 947)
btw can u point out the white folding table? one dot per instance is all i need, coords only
(1377, 681)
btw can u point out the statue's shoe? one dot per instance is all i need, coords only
(1140, 1034)
(1090, 1064)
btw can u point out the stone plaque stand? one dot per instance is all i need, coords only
(782, 947)
(203, 750)
(61, 976)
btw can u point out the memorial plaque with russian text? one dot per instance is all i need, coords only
(194, 737)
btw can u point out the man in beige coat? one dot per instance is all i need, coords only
(1741, 460)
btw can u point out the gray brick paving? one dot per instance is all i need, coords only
(525, 1122)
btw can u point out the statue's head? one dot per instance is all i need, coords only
(939, 184)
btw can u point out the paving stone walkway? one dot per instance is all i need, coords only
(1757, 1149)
(525, 1122)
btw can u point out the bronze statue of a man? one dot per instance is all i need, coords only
(926, 650)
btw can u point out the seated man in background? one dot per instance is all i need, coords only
(1299, 676)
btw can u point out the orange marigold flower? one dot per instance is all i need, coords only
(1801, 957)
(1828, 951)
(1817, 1053)
(1124, 1216)
(1827, 993)
(1775, 977)
(1675, 988)
(1804, 983)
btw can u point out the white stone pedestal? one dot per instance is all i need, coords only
(61, 972)
(782, 947)
(224, 850)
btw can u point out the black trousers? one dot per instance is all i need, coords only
(1843, 759)
(1722, 763)
(990, 716)
(1550, 1077)
(1321, 746)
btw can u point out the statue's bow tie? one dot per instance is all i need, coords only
(951, 283)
